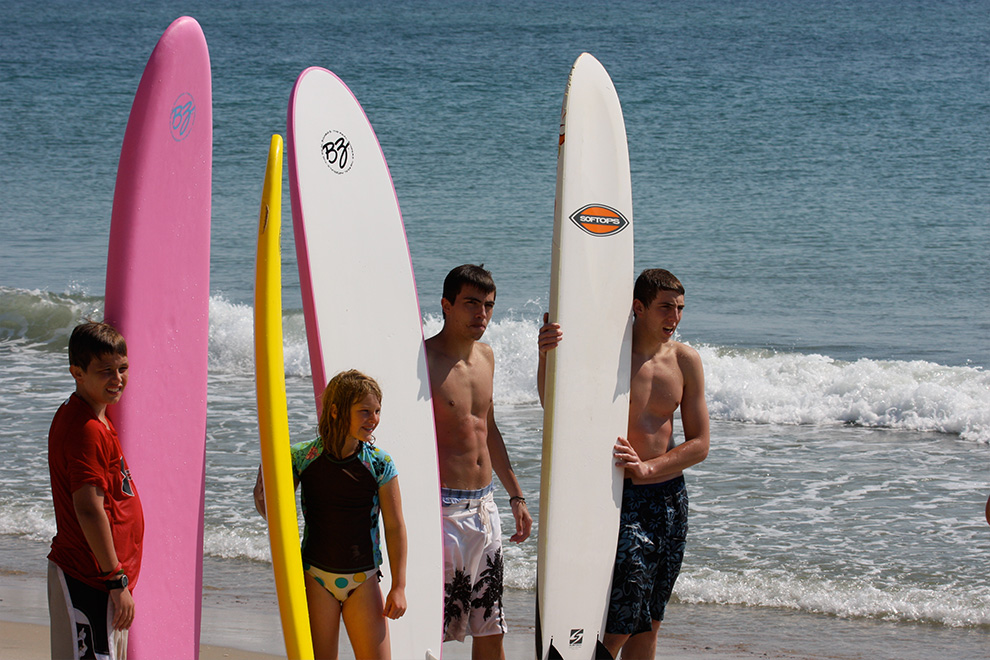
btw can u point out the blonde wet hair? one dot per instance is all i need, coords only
(343, 391)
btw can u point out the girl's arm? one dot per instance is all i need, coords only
(259, 493)
(395, 541)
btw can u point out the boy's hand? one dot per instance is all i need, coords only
(627, 458)
(550, 335)
(524, 521)
(123, 608)
(395, 603)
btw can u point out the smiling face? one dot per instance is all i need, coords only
(470, 312)
(365, 416)
(102, 382)
(661, 318)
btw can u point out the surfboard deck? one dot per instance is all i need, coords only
(157, 295)
(587, 386)
(362, 312)
(273, 417)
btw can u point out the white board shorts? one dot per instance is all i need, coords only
(472, 553)
(82, 630)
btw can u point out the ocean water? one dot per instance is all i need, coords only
(818, 175)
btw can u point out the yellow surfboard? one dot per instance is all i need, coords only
(273, 418)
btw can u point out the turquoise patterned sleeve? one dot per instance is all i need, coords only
(304, 453)
(381, 465)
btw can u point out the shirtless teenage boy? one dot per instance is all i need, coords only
(470, 447)
(666, 374)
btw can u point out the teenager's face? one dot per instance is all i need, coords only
(103, 381)
(471, 310)
(663, 314)
(365, 415)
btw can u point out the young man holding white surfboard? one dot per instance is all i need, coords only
(470, 447)
(666, 375)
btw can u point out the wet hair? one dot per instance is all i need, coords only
(343, 391)
(92, 340)
(654, 280)
(469, 275)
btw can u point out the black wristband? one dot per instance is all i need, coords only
(118, 583)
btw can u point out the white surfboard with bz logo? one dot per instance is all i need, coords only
(587, 387)
(362, 312)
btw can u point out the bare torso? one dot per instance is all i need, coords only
(462, 408)
(656, 390)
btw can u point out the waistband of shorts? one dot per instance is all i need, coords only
(450, 496)
(669, 486)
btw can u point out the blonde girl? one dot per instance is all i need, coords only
(346, 482)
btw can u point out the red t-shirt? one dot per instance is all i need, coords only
(81, 450)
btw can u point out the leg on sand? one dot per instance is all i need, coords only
(324, 619)
(642, 646)
(488, 647)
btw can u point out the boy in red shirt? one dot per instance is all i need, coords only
(96, 552)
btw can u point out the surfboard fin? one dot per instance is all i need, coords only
(601, 653)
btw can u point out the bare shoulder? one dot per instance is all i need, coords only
(689, 361)
(436, 350)
(484, 351)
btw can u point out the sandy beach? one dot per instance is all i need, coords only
(233, 624)
(236, 625)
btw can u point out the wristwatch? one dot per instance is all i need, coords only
(119, 583)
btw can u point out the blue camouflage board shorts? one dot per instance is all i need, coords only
(653, 528)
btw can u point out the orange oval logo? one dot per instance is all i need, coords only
(599, 220)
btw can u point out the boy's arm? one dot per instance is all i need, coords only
(88, 504)
(503, 469)
(394, 524)
(694, 419)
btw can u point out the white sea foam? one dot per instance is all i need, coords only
(948, 605)
(792, 388)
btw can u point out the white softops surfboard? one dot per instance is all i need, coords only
(362, 312)
(587, 386)
(157, 295)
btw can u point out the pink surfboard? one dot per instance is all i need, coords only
(157, 295)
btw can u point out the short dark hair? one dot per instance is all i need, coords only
(91, 340)
(470, 275)
(652, 281)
